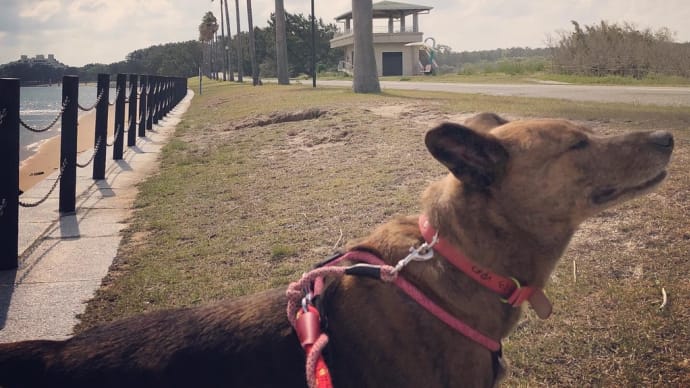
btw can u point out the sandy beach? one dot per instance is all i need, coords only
(47, 158)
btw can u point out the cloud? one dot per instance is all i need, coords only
(85, 31)
(41, 11)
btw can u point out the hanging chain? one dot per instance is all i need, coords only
(98, 99)
(3, 206)
(32, 129)
(117, 132)
(117, 93)
(95, 150)
(34, 204)
(3, 113)
(131, 90)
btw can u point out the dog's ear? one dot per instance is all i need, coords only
(477, 159)
(484, 122)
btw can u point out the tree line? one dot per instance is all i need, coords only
(619, 49)
(601, 49)
(298, 33)
(183, 59)
(597, 50)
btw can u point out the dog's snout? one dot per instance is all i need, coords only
(662, 139)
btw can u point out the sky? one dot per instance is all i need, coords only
(78, 32)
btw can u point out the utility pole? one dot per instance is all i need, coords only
(228, 45)
(224, 44)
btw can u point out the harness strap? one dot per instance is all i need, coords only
(509, 288)
(419, 297)
(387, 274)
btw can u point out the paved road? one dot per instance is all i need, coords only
(668, 96)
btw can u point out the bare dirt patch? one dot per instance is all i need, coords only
(279, 117)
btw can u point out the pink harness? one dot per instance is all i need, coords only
(305, 319)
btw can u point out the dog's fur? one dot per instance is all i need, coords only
(515, 195)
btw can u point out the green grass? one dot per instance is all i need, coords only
(537, 77)
(234, 211)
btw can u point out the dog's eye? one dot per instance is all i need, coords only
(580, 145)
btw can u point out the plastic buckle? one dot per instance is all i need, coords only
(308, 326)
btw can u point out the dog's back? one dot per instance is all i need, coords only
(226, 344)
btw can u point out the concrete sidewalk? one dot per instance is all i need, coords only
(64, 258)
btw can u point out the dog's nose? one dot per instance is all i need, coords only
(662, 139)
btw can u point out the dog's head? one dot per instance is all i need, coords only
(552, 170)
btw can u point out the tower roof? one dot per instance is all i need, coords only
(385, 9)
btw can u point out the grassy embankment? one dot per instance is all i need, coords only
(543, 77)
(534, 70)
(241, 205)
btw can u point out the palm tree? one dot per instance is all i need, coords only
(223, 43)
(240, 71)
(281, 44)
(365, 79)
(207, 30)
(252, 45)
(229, 44)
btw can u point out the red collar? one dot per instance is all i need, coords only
(508, 287)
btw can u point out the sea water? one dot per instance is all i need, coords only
(39, 106)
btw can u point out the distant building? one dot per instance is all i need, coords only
(396, 46)
(40, 58)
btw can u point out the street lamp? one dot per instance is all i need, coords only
(313, 46)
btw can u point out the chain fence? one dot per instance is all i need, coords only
(117, 132)
(117, 93)
(93, 155)
(128, 94)
(98, 99)
(136, 123)
(161, 101)
(32, 129)
(40, 201)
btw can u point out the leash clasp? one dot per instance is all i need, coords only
(423, 253)
(306, 301)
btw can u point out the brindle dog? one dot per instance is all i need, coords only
(515, 194)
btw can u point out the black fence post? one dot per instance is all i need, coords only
(171, 94)
(176, 90)
(132, 110)
(121, 85)
(157, 100)
(101, 138)
(68, 144)
(160, 101)
(149, 103)
(164, 97)
(9, 173)
(168, 95)
(142, 106)
(183, 88)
